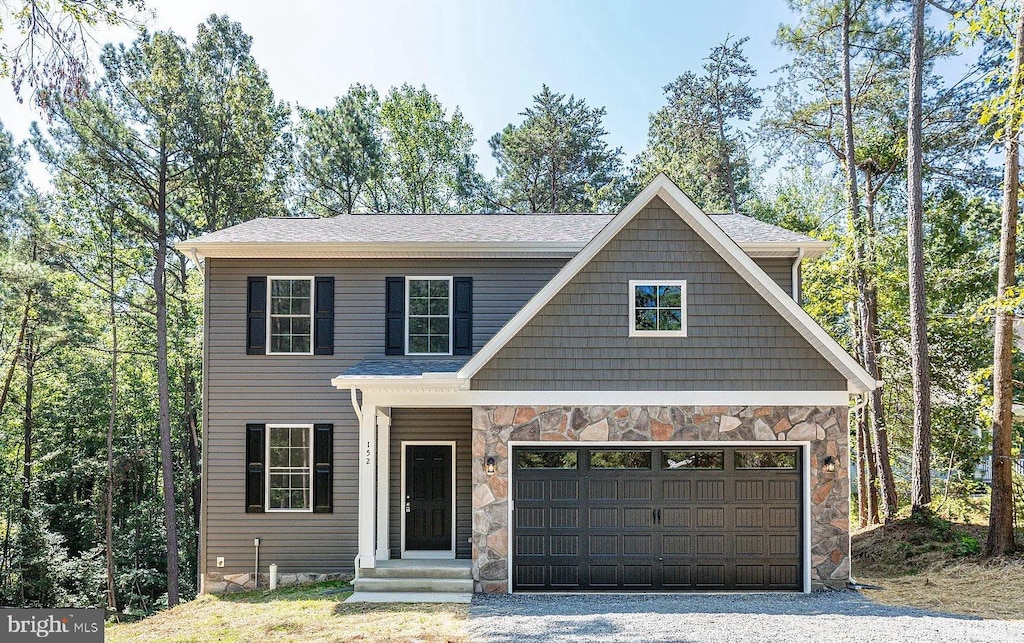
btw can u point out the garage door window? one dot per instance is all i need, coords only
(546, 459)
(620, 459)
(693, 460)
(766, 460)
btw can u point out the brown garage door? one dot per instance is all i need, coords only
(657, 518)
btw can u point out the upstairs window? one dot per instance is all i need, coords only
(657, 308)
(290, 311)
(428, 320)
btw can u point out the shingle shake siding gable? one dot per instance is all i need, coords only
(737, 340)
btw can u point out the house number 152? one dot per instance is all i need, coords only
(367, 453)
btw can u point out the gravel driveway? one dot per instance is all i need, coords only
(830, 617)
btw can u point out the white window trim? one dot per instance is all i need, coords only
(312, 311)
(633, 332)
(451, 296)
(266, 455)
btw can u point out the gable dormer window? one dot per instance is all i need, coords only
(428, 321)
(657, 308)
(290, 313)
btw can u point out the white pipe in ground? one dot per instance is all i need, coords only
(273, 577)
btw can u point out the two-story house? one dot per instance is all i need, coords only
(511, 403)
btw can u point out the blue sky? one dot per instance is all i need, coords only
(487, 57)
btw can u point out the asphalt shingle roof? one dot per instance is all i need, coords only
(744, 229)
(403, 366)
(417, 228)
(464, 228)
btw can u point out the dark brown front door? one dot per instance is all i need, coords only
(428, 497)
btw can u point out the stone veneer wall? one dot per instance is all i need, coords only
(217, 583)
(825, 427)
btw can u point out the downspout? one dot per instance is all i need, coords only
(355, 403)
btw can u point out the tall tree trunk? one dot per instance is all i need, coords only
(861, 452)
(554, 184)
(863, 519)
(881, 464)
(191, 418)
(730, 182)
(1000, 523)
(872, 476)
(27, 421)
(108, 498)
(163, 382)
(861, 276)
(920, 471)
(19, 345)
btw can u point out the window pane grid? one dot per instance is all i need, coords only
(291, 306)
(657, 307)
(289, 471)
(429, 316)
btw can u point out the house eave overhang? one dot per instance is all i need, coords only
(427, 250)
(767, 249)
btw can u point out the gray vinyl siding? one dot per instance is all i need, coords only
(242, 388)
(780, 269)
(433, 424)
(736, 340)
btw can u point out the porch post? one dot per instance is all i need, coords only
(383, 483)
(367, 483)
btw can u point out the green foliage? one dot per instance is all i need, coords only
(232, 130)
(557, 159)
(341, 154)
(966, 545)
(992, 22)
(695, 138)
(430, 158)
(48, 50)
(203, 118)
(43, 574)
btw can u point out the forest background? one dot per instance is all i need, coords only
(861, 138)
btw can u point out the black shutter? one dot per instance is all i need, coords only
(462, 324)
(256, 323)
(254, 436)
(394, 328)
(323, 467)
(323, 317)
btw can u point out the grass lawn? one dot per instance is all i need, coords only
(308, 613)
(933, 564)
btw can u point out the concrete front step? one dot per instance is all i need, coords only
(429, 585)
(409, 597)
(396, 569)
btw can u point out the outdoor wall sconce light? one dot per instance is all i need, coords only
(830, 463)
(490, 466)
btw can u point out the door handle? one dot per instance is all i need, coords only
(408, 507)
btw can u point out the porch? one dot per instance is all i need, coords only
(420, 494)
